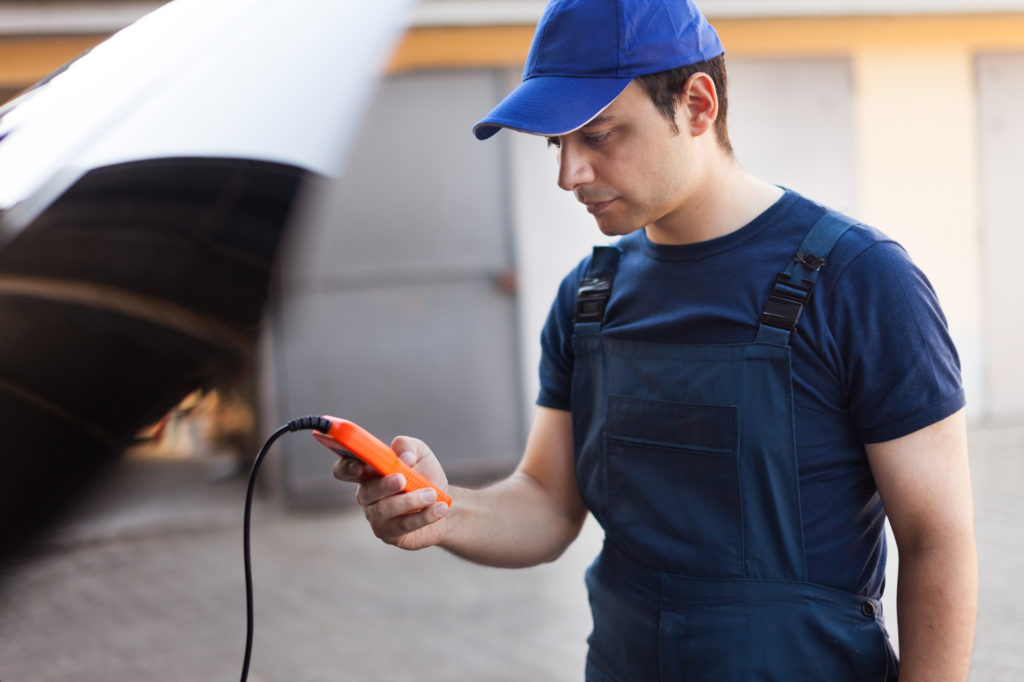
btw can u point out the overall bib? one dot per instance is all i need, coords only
(686, 456)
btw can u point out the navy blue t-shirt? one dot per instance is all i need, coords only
(872, 359)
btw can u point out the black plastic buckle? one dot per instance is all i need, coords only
(810, 261)
(786, 302)
(591, 298)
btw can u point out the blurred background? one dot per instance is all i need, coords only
(409, 293)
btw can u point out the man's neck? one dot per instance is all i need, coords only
(727, 199)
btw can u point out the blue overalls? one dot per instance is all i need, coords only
(686, 456)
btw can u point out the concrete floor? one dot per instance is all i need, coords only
(147, 584)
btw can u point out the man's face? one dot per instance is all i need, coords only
(627, 166)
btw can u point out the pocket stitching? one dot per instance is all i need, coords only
(695, 449)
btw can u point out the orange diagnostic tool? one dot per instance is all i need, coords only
(346, 439)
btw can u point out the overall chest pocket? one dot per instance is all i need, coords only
(673, 485)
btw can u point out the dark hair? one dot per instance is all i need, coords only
(664, 86)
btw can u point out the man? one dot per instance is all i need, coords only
(734, 391)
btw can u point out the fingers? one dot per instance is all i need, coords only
(410, 450)
(389, 504)
(374, 490)
(347, 469)
(396, 516)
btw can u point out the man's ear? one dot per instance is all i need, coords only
(697, 105)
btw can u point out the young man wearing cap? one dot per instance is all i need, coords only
(733, 390)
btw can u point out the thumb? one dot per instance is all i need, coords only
(410, 450)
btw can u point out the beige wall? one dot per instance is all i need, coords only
(918, 178)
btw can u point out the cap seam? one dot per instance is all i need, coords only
(542, 29)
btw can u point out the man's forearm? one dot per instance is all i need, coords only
(514, 523)
(937, 600)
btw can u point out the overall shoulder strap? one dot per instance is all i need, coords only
(793, 287)
(596, 287)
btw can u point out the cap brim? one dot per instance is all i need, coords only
(551, 105)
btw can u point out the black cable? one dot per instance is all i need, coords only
(301, 424)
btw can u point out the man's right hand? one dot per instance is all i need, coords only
(525, 519)
(412, 520)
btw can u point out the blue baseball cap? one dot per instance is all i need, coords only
(585, 53)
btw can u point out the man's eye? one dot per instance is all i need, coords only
(596, 139)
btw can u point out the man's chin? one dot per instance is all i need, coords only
(613, 228)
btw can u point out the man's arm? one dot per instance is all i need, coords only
(528, 518)
(925, 484)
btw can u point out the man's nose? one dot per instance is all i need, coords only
(574, 167)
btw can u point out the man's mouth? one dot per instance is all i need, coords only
(596, 207)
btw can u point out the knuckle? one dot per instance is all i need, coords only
(370, 492)
(372, 513)
(393, 517)
(410, 522)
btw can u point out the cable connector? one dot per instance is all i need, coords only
(310, 423)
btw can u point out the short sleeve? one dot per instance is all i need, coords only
(556, 361)
(900, 368)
